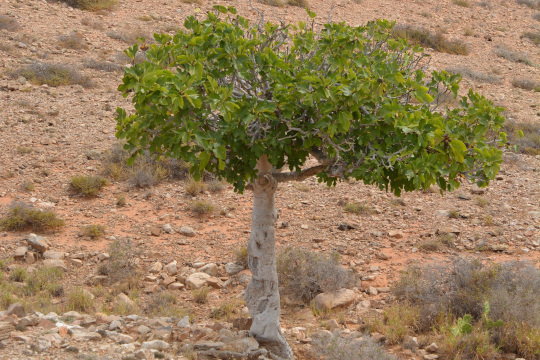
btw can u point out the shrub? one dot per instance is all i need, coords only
(165, 303)
(18, 274)
(8, 23)
(513, 56)
(199, 2)
(51, 74)
(273, 2)
(226, 310)
(122, 265)
(42, 279)
(241, 256)
(201, 207)
(422, 37)
(303, 274)
(129, 37)
(396, 322)
(88, 186)
(526, 84)
(533, 4)
(439, 243)
(201, 295)
(216, 186)
(474, 75)
(121, 201)
(28, 186)
(336, 347)
(534, 37)
(357, 208)
(299, 3)
(22, 217)
(463, 3)
(481, 201)
(103, 66)
(530, 142)
(93, 231)
(79, 300)
(74, 41)
(91, 5)
(194, 188)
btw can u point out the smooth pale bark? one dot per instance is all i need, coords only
(262, 293)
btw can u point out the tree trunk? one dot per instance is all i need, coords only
(262, 293)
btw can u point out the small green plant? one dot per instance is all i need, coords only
(22, 217)
(463, 326)
(93, 231)
(200, 295)
(525, 135)
(52, 75)
(357, 208)
(42, 279)
(18, 274)
(201, 207)
(88, 186)
(80, 300)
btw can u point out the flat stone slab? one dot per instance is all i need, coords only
(331, 300)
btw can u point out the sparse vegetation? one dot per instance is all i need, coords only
(513, 56)
(19, 274)
(121, 201)
(533, 4)
(28, 186)
(201, 207)
(462, 3)
(533, 36)
(304, 274)
(93, 232)
(481, 201)
(165, 303)
(51, 74)
(337, 347)
(216, 186)
(201, 295)
(21, 216)
(195, 188)
(129, 36)
(299, 3)
(357, 208)
(44, 279)
(8, 23)
(91, 5)
(103, 66)
(453, 214)
(226, 310)
(526, 84)
(121, 268)
(88, 186)
(530, 142)
(474, 75)
(199, 2)
(423, 37)
(80, 300)
(74, 41)
(501, 302)
(438, 243)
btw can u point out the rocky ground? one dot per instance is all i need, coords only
(50, 134)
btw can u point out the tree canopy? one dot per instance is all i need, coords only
(224, 92)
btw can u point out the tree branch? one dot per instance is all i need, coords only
(298, 175)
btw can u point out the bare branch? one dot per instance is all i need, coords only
(298, 175)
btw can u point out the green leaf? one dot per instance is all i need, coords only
(459, 149)
(204, 158)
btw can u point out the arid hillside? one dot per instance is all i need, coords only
(103, 261)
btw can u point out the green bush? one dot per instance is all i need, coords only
(93, 231)
(21, 216)
(530, 142)
(88, 186)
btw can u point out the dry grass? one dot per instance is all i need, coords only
(530, 142)
(91, 5)
(8, 23)
(195, 188)
(74, 41)
(533, 36)
(121, 268)
(436, 41)
(533, 4)
(526, 84)
(198, 2)
(513, 56)
(79, 300)
(129, 36)
(462, 3)
(21, 216)
(52, 75)
(201, 295)
(103, 66)
(93, 232)
(337, 347)
(474, 75)
(201, 207)
(89, 186)
(357, 208)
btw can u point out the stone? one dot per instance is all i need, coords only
(208, 345)
(72, 315)
(41, 344)
(20, 253)
(172, 268)
(76, 262)
(432, 348)
(233, 269)
(214, 283)
(431, 357)
(86, 336)
(242, 323)
(116, 325)
(155, 345)
(211, 269)
(46, 324)
(54, 255)
(38, 242)
(363, 305)
(332, 325)
(5, 329)
(243, 345)
(103, 256)
(124, 299)
(119, 338)
(55, 263)
(371, 291)
(331, 300)
(395, 234)
(197, 280)
(184, 322)
(155, 268)
(187, 231)
(155, 231)
(167, 228)
(16, 309)
(175, 286)
(31, 257)
(143, 329)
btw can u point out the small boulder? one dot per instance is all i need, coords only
(5, 329)
(20, 253)
(38, 242)
(16, 309)
(331, 300)
(233, 269)
(172, 268)
(155, 268)
(167, 228)
(54, 255)
(187, 231)
(155, 345)
(124, 299)
(211, 269)
(55, 263)
(197, 280)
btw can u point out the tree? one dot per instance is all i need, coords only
(252, 103)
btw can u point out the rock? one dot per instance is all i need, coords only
(167, 228)
(172, 268)
(243, 345)
(371, 291)
(155, 231)
(214, 283)
(53, 255)
(86, 336)
(16, 309)
(184, 322)
(155, 345)
(378, 338)
(103, 256)
(31, 257)
(124, 299)
(363, 305)
(233, 269)
(211, 269)
(119, 338)
(197, 280)
(208, 345)
(155, 268)
(5, 329)
(55, 263)
(332, 325)
(143, 329)
(20, 253)
(242, 323)
(37, 242)
(175, 286)
(72, 315)
(41, 344)
(395, 234)
(330, 300)
(76, 262)
(432, 348)
(431, 357)
(382, 256)
(72, 349)
(499, 247)
(187, 231)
